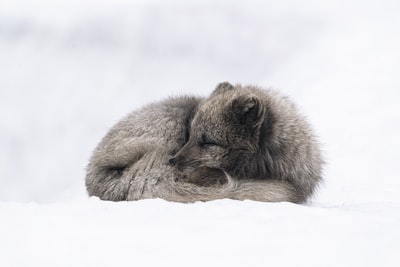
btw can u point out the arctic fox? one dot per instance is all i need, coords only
(242, 142)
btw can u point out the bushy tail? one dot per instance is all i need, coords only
(149, 176)
(257, 190)
(266, 191)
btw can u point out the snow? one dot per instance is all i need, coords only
(71, 69)
(157, 233)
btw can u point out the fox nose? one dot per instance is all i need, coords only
(172, 161)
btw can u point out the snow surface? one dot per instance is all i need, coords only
(71, 69)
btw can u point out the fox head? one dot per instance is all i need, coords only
(225, 130)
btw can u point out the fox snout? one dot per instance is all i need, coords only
(177, 161)
(181, 159)
(172, 161)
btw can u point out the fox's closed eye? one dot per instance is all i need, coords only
(205, 141)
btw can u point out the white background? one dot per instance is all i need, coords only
(70, 69)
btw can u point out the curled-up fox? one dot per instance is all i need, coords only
(242, 142)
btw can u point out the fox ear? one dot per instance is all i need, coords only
(222, 87)
(247, 109)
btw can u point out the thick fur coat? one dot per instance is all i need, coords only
(242, 142)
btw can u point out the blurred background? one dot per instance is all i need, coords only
(71, 69)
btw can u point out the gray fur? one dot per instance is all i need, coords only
(240, 143)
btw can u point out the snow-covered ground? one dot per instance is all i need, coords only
(70, 69)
